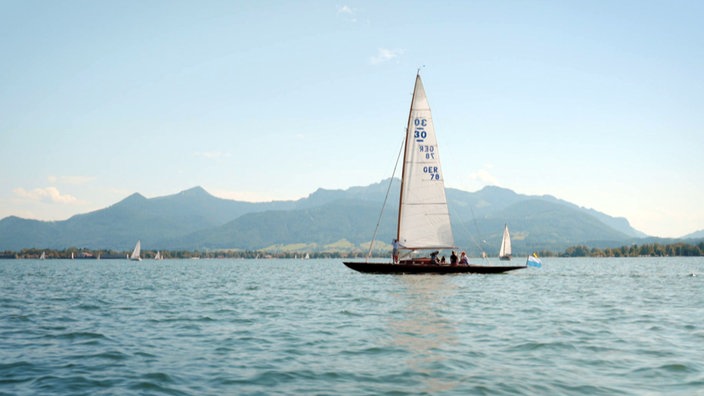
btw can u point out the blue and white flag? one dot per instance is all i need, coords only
(534, 261)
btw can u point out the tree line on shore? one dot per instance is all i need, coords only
(645, 250)
(678, 249)
(90, 254)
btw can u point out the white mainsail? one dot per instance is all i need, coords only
(505, 250)
(424, 219)
(136, 252)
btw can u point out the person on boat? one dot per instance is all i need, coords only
(442, 260)
(453, 259)
(394, 252)
(434, 257)
(463, 259)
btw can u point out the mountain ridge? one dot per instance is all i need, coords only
(195, 219)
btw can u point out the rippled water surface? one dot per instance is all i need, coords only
(193, 327)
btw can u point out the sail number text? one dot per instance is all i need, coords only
(419, 133)
(429, 151)
(432, 171)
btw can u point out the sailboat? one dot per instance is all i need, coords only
(423, 215)
(135, 253)
(505, 251)
(43, 256)
(158, 256)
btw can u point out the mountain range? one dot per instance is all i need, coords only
(327, 219)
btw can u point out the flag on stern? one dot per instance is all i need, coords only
(534, 261)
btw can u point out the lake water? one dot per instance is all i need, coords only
(248, 327)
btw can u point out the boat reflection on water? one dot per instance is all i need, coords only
(422, 332)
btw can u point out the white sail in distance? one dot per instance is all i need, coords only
(136, 252)
(505, 250)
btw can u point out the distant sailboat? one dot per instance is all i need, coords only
(135, 253)
(158, 256)
(43, 256)
(505, 251)
(423, 216)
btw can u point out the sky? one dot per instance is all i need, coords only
(600, 103)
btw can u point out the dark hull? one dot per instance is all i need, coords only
(388, 268)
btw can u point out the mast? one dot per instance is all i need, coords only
(405, 153)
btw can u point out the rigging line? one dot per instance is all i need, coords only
(388, 189)
(463, 225)
(474, 218)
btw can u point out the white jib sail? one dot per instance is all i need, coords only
(505, 244)
(424, 220)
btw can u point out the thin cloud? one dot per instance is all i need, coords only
(48, 194)
(484, 176)
(347, 11)
(384, 55)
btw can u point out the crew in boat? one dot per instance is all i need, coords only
(453, 259)
(463, 259)
(434, 257)
(394, 253)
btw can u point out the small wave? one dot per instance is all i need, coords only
(143, 354)
(89, 307)
(271, 378)
(15, 365)
(150, 387)
(665, 370)
(352, 314)
(161, 377)
(112, 355)
(676, 368)
(534, 346)
(17, 372)
(74, 384)
(80, 336)
(18, 318)
(587, 389)
(372, 351)
(157, 382)
(186, 320)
